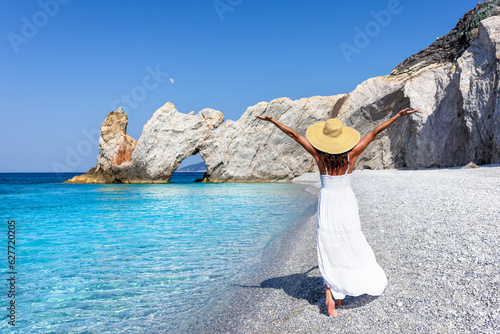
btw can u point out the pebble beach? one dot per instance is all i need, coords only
(434, 232)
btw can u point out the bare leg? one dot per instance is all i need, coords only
(339, 302)
(329, 302)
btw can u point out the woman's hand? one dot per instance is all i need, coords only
(370, 136)
(406, 111)
(266, 118)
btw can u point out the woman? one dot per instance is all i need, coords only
(346, 261)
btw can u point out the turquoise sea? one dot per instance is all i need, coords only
(123, 258)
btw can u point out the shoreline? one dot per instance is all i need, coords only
(423, 228)
(221, 313)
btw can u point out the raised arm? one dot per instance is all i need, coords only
(294, 134)
(363, 143)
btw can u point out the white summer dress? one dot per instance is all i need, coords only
(346, 261)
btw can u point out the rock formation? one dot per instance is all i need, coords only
(115, 145)
(115, 148)
(470, 165)
(250, 149)
(454, 83)
(167, 138)
(460, 110)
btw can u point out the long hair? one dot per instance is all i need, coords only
(335, 164)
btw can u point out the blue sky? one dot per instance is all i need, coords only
(66, 63)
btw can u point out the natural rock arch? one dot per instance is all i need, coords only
(167, 138)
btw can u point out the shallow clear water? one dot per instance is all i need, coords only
(132, 258)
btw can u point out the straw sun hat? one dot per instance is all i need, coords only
(332, 137)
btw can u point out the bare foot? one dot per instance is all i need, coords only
(331, 307)
(339, 302)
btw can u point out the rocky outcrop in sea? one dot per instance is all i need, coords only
(454, 83)
(115, 148)
(167, 138)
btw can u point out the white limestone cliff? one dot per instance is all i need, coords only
(459, 104)
(251, 149)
